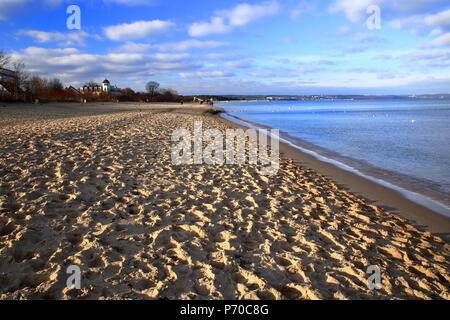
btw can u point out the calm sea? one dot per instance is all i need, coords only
(403, 142)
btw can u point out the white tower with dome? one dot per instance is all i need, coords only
(106, 86)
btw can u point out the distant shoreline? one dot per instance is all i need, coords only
(329, 98)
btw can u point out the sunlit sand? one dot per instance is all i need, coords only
(96, 188)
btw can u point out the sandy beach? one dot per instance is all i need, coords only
(94, 186)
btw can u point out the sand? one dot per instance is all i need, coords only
(94, 186)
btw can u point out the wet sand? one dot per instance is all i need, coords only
(94, 186)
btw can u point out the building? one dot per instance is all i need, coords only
(104, 88)
(73, 91)
(9, 82)
(7, 75)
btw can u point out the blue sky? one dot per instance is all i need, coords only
(236, 47)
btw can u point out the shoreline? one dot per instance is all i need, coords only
(97, 188)
(425, 188)
(381, 193)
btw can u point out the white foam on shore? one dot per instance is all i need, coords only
(418, 198)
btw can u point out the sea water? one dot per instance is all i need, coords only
(405, 142)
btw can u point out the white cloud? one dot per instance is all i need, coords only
(217, 25)
(427, 58)
(354, 10)
(225, 55)
(244, 13)
(442, 41)
(64, 39)
(309, 70)
(400, 14)
(137, 30)
(7, 6)
(414, 23)
(441, 19)
(72, 60)
(134, 47)
(416, 6)
(74, 66)
(302, 8)
(311, 60)
(169, 57)
(435, 32)
(205, 74)
(239, 64)
(190, 44)
(226, 20)
(36, 51)
(125, 58)
(352, 41)
(173, 46)
(412, 15)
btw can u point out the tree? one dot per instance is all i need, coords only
(4, 60)
(37, 84)
(152, 87)
(21, 77)
(19, 70)
(55, 85)
(169, 92)
(128, 92)
(91, 84)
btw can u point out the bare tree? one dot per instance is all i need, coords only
(152, 87)
(91, 84)
(55, 85)
(4, 60)
(37, 84)
(128, 92)
(169, 92)
(21, 77)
